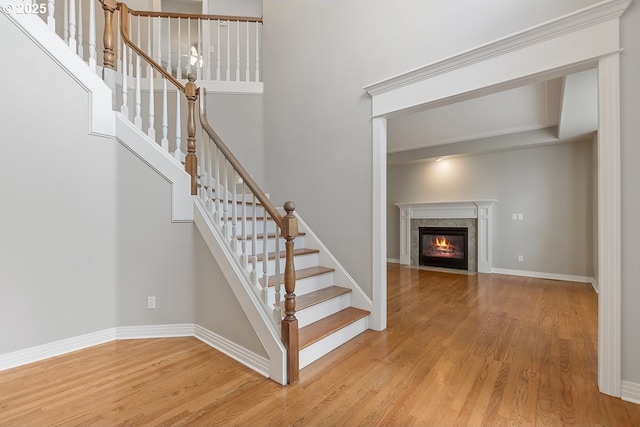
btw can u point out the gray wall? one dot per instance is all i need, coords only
(58, 221)
(238, 120)
(235, 7)
(630, 134)
(318, 55)
(552, 186)
(86, 225)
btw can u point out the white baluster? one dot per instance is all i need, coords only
(218, 53)
(137, 120)
(169, 70)
(151, 131)
(228, 76)
(219, 208)
(92, 35)
(225, 204)
(244, 258)
(165, 117)
(80, 31)
(158, 44)
(234, 212)
(237, 51)
(178, 154)
(188, 46)
(179, 67)
(265, 260)
(211, 206)
(246, 71)
(124, 108)
(51, 10)
(65, 22)
(254, 243)
(72, 25)
(277, 310)
(257, 52)
(200, 54)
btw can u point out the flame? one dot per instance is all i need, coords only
(442, 243)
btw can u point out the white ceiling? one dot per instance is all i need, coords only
(553, 111)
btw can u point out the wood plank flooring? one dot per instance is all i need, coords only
(485, 350)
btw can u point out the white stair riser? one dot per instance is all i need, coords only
(300, 262)
(305, 286)
(271, 245)
(333, 341)
(322, 310)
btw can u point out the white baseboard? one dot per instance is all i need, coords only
(154, 331)
(34, 354)
(630, 392)
(551, 276)
(56, 348)
(393, 260)
(240, 354)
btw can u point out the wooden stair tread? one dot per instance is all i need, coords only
(260, 236)
(325, 327)
(316, 297)
(301, 274)
(296, 252)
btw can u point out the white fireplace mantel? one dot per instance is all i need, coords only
(480, 209)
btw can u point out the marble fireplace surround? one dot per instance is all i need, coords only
(481, 210)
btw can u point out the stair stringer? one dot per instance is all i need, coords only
(242, 289)
(359, 298)
(101, 117)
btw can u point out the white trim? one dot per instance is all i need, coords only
(240, 354)
(163, 163)
(482, 210)
(393, 260)
(154, 331)
(630, 392)
(596, 286)
(609, 231)
(56, 348)
(575, 42)
(379, 220)
(101, 115)
(543, 275)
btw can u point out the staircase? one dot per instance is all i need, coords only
(252, 241)
(327, 318)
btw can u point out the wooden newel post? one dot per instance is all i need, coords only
(191, 161)
(289, 325)
(109, 56)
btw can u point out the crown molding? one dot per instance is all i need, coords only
(593, 15)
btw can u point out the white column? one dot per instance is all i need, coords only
(485, 245)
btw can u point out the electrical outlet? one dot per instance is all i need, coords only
(514, 217)
(151, 303)
(520, 258)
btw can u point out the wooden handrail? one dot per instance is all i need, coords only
(248, 180)
(124, 31)
(154, 14)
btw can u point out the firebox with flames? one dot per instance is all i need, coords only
(441, 247)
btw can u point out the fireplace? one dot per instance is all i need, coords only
(444, 247)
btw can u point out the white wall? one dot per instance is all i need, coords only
(318, 56)
(552, 186)
(630, 152)
(251, 8)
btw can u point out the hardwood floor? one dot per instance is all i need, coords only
(485, 350)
